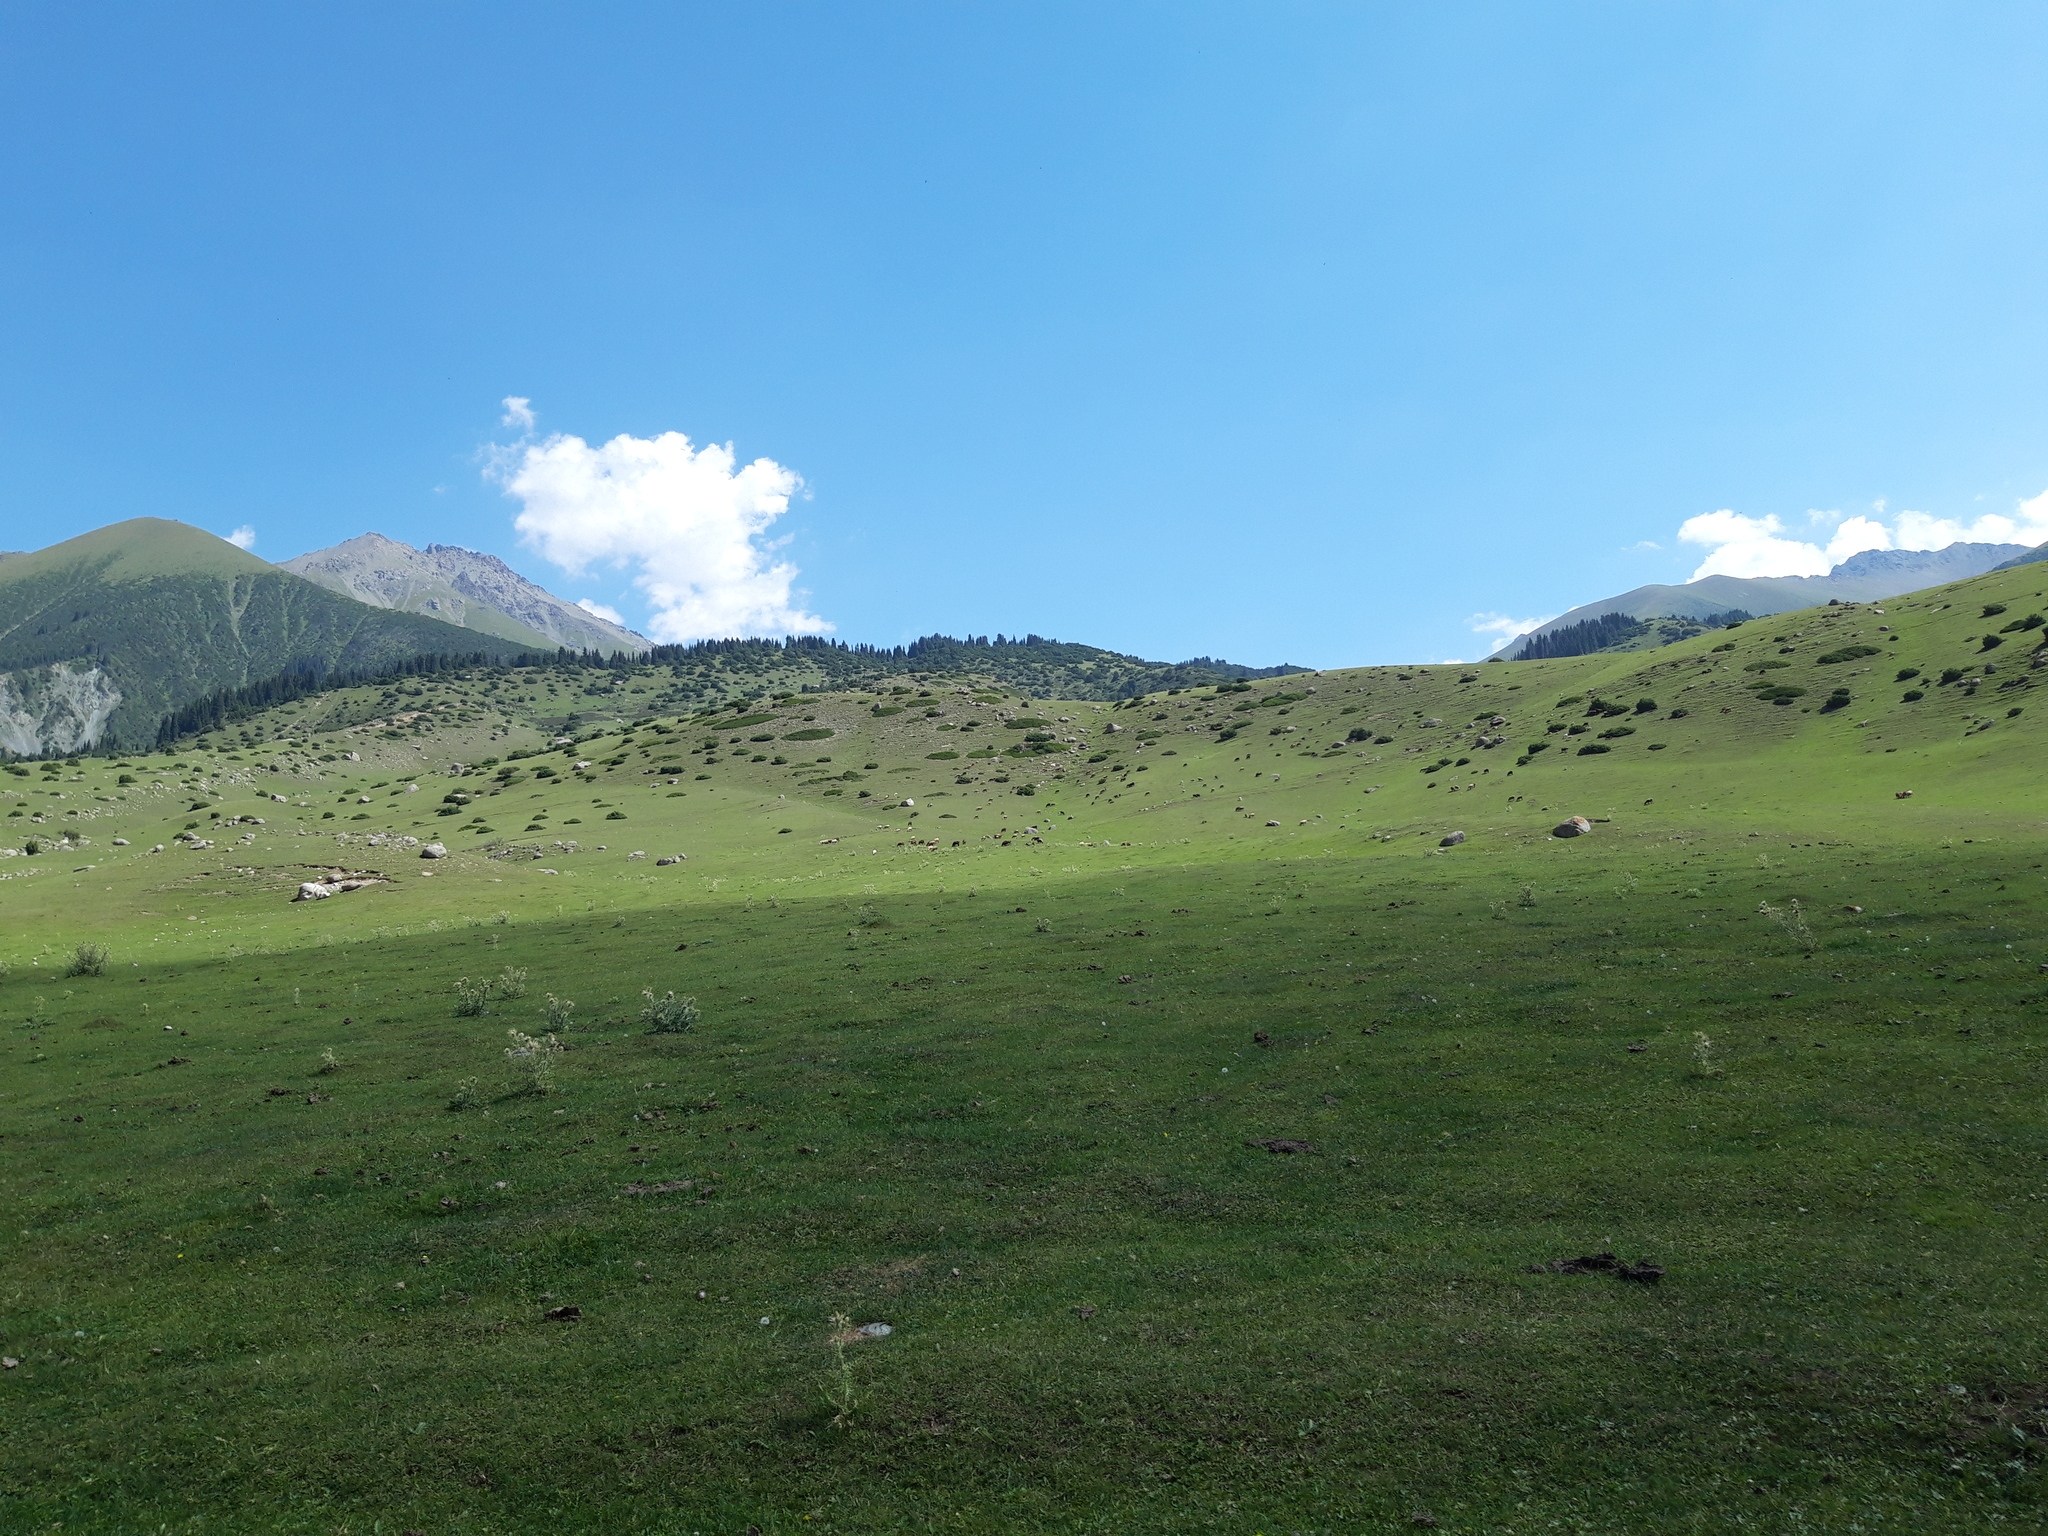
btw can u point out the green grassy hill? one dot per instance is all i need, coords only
(1001, 1003)
(103, 635)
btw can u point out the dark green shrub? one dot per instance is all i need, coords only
(1953, 674)
(2031, 621)
(1848, 653)
(1912, 696)
(1645, 705)
(1991, 642)
(1614, 733)
(1678, 714)
(1592, 749)
(1839, 699)
(1992, 610)
(1906, 674)
(1726, 645)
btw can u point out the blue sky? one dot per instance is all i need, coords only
(1274, 332)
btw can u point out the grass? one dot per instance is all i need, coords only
(987, 1069)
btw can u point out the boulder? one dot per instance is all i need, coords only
(434, 851)
(1452, 841)
(1572, 826)
(677, 858)
(120, 842)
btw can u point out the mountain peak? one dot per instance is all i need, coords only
(461, 586)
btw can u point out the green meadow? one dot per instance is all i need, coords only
(1205, 1121)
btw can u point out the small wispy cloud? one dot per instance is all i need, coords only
(243, 537)
(599, 611)
(1501, 629)
(518, 413)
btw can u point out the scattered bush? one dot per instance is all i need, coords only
(1645, 705)
(1992, 610)
(1725, 645)
(2031, 621)
(88, 960)
(466, 1095)
(1912, 696)
(1953, 674)
(511, 982)
(472, 999)
(669, 1014)
(1592, 749)
(1678, 714)
(1839, 699)
(1766, 666)
(1906, 674)
(1991, 642)
(532, 1061)
(1614, 732)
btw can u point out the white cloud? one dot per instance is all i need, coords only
(1749, 546)
(518, 413)
(2028, 525)
(599, 611)
(1758, 546)
(243, 537)
(689, 519)
(1503, 628)
(1854, 536)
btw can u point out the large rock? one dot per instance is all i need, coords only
(434, 851)
(1452, 841)
(1574, 826)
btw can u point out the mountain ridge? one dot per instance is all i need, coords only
(103, 635)
(1869, 576)
(459, 586)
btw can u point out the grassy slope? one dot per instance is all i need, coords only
(174, 613)
(1111, 1314)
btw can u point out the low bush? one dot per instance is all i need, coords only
(668, 1014)
(88, 960)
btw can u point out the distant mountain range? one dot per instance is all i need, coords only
(103, 635)
(2038, 552)
(1874, 574)
(150, 628)
(460, 587)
